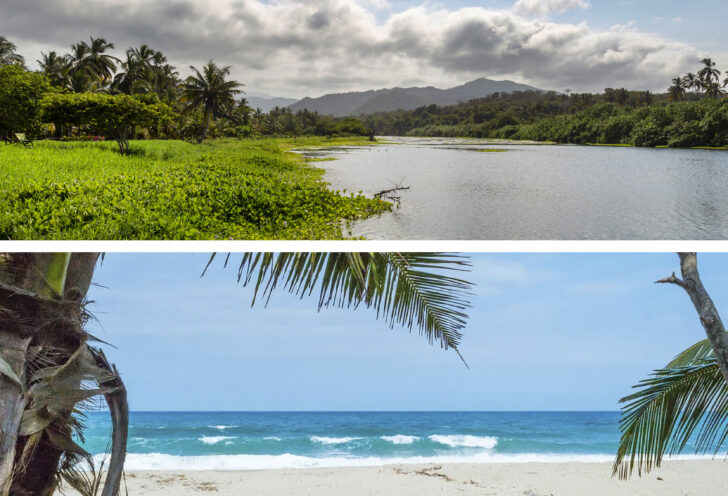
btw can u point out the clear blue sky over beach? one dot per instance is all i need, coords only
(547, 332)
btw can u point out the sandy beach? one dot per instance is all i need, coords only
(679, 478)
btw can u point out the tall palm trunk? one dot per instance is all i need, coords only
(206, 123)
(41, 297)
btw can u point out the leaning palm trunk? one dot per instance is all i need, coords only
(707, 312)
(687, 400)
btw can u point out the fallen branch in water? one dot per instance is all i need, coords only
(388, 194)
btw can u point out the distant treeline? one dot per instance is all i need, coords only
(613, 117)
(693, 112)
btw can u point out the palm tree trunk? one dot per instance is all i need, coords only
(708, 313)
(206, 124)
(40, 477)
(25, 279)
(13, 349)
(119, 409)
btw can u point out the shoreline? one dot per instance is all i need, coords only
(682, 477)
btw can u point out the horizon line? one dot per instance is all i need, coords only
(365, 411)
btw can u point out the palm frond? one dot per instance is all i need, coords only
(408, 289)
(674, 406)
(701, 350)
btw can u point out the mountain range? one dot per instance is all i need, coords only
(266, 104)
(385, 100)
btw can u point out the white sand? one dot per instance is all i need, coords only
(681, 478)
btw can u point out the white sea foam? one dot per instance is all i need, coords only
(158, 461)
(401, 439)
(333, 440)
(221, 427)
(466, 441)
(272, 438)
(215, 439)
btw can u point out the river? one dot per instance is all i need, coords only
(465, 189)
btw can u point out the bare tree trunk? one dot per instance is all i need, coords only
(708, 313)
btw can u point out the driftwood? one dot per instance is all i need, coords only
(389, 194)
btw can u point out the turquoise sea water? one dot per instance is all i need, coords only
(260, 440)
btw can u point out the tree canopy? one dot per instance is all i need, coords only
(111, 116)
(21, 93)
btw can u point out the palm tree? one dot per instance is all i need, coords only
(132, 78)
(691, 81)
(100, 64)
(49, 366)
(210, 90)
(91, 63)
(144, 54)
(7, 53)
(166, 82)
(676, 92)
(713, 90)
(709, 73)
(56, 68)
(688, 399)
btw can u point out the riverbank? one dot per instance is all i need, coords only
(225, 189)
(509, 479)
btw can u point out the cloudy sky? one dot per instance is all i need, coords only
(299, 48)
(547, 332)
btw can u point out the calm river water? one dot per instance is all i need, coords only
(538, 191)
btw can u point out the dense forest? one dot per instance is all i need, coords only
(693, 112)
(89, 92)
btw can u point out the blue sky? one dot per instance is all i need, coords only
(547, 332)
(298, 48)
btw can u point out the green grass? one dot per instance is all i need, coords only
(327, 159)
(612, 145)
(251, 189)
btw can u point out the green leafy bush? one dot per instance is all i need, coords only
(173, 190)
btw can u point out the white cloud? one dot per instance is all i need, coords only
(298, 48)
(546, 7)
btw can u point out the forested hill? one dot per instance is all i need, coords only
(385, 100)
(613, 117)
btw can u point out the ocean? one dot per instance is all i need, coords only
(266, 440)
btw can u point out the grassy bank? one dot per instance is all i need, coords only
(250, 189)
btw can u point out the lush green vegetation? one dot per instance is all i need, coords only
(206, 104)
(250, 189)
(692, 113)
(678, 124)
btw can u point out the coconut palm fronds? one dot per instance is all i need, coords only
(414, 290)
(685, 402)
